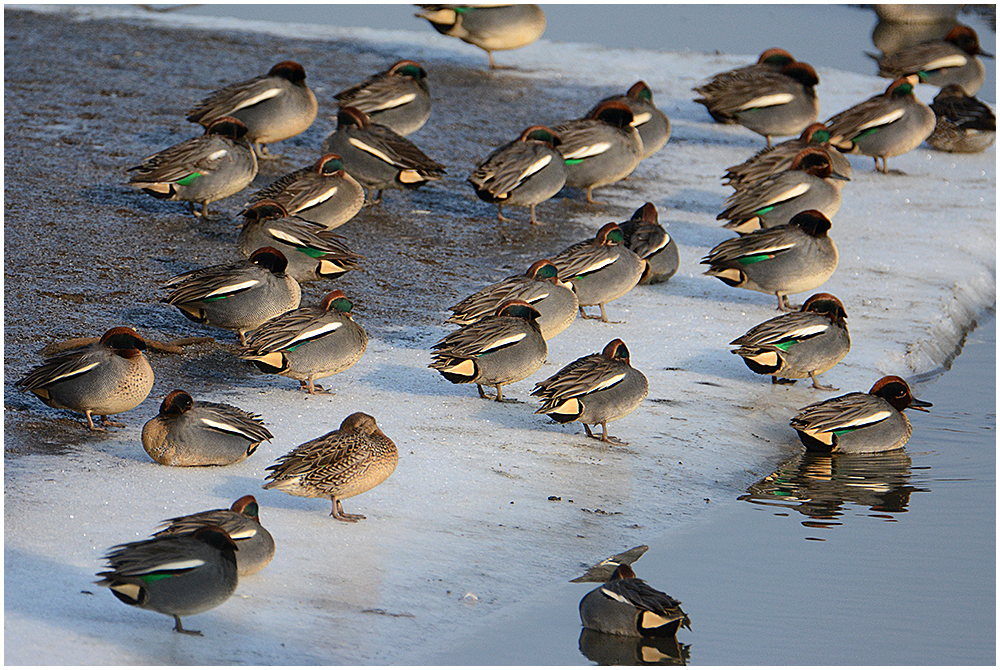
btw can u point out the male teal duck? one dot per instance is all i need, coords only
(885, 125)
(963, 124)
(601, 148)
(601, 269)
(236, 296)
(500, 349)
(808, 183)
(594, 389)
(202, 169)
(626, 605)
(860, 423)
(949, 60)
(176, 575)
(769, 103)
(110, 376)
(344, 463)
(255, 546)
(323, 193)
(397, 98)
(525, 172)
(798, 256)
(644, 235)
(189, 433)
(539, 287)
(309, 343)
(489, 27)
(273, 107)
(312, 251)
(653, 125)
(378, 157)
(718, 86)
(769, 161)
(799, 344)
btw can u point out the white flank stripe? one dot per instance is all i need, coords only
(217, 154)
(395, 102)
(596, 266)
(178, 565)
(505, 341)
(768, 100)
(538, 298)
(794, 191)
(641, 118)
(614, 596)
(325, 195)
(535, 167)
(313, 332)
(883, 120)
(224, 427)
(370, 150)
(807, 331)
(269, 93)
(608, 382)
(588, 151)
(74, 373)
(244, 534)
(768, 250)
(954, 60)
(860, 421)
(285, 237)
(233, 288)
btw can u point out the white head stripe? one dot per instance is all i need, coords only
(260, 97)
(768, 101)
(233, 288)
(588, 151)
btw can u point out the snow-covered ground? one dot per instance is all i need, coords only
(465, 526)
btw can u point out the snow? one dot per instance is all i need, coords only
(465, 526)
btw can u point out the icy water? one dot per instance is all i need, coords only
(741, 568)
(877, 560)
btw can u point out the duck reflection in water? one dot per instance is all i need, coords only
(604, 649)
(821, 486)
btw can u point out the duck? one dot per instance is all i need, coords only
(885, 125)
(176, 575)
(309, 343)
(489, 27)
(106, 377)
(254, 544)
(653, 125)
(539, 287)
(860, 423)
(770, 103)
(311, 251)
(189, 433)
(323, 193)
(798, 344)
(795, 257)
(808, 183)
(274, 107)
(626, 605)
(644, 235)
(600, 270)
(344, 463)
(601, 148)
(236, 296)
(594, 389)
(718, 86)
(963, 124)
(500, 349)
(769, 161)
(397, 98)
(200, 170)
(378, 157)
(525, 172)
(949, 60)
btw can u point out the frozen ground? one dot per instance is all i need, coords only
(465, 527)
